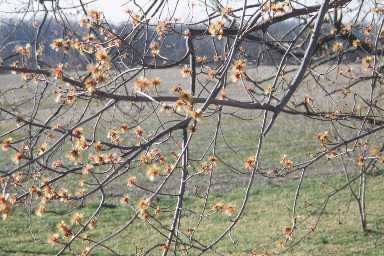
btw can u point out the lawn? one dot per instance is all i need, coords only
(268, 212)
(269, 209)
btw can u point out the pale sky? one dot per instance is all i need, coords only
(186, 9)
(115, 10)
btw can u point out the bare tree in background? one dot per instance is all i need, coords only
(121, 111)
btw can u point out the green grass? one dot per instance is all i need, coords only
(268, 212)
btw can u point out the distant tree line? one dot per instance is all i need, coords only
(262, 47)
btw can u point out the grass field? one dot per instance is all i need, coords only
(269, 209)
(338, 232)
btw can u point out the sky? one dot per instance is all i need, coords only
(186, 9)
(116, 10)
